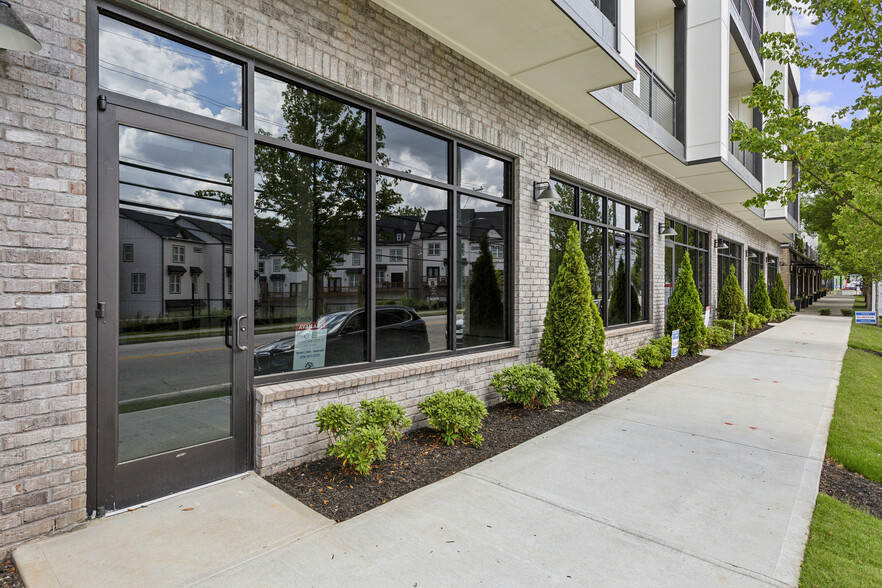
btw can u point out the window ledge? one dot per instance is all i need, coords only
(629, 330)
(297, 388)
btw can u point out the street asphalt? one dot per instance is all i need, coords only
(705, 478)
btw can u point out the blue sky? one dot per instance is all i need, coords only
(824, 95)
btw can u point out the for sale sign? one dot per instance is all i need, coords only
(675, 343)
(865, 317)
(309, 346)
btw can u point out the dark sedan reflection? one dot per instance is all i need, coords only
(400, 331)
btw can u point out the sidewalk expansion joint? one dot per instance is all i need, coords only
(711, 437)
(629, 531)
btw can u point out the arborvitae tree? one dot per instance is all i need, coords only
(778, 297)
(732, 305)
(685, 311)
(486, 314)
(759, 301)
(571, 346)
(617, 297)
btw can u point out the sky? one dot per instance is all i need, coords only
(824, 95)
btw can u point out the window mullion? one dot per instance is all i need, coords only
(370, 240)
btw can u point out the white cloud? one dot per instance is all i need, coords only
(803, 25)
(817, 97)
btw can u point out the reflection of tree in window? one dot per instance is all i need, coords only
(485, 310)
(313, 210)
(618, 297)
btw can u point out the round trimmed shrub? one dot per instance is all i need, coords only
(718, 336)
(457, 415)
(530, 385)
(685, 311)
(572, 344)
(623, 365)
(663, 344)
(650, 355)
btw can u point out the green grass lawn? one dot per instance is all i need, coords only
(860, 302)
(855, 439)
(866, 337)
(844, 547)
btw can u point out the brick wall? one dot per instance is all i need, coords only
(356, 46)
(42, 276)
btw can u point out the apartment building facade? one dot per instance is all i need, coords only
(346, 191)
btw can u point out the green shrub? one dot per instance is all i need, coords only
(824, 311)
(754, 321)
(725, 323)
(778, 296)
(650, 355)
(759, 299)
(573, 341)
(779, 315)
(847, 311)
(530, 385)
(360, 448)
(359, 437)
(718, 336)
(685, 311)
(623, 365)
(731, 304)
(663, 344)
(384, 413)
(457, 415)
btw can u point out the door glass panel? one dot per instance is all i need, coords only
(144, 65)
(175, 272)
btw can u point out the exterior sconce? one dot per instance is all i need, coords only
(542, 192)
(720, 245)
(666, 231)
(751, 255)
(14, 34)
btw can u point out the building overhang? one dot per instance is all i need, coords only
(552, 49)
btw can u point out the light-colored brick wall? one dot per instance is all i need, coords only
(43, 276)
(357, 47)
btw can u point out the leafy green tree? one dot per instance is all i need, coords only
(685, 311)
(731, 305)
(485, 312)
(840, 166)
(778, 297)
(759, 300)
(572, 343)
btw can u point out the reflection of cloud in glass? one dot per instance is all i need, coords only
(413, 151)
(480, 172)
(417, 195)
(268, 105)
(146, 66)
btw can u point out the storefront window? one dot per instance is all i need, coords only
(729, 254)
(688, 241)
(755, 263)
(615, 251)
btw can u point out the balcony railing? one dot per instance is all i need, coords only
(655, 98)
(744, 8)
(752, 161)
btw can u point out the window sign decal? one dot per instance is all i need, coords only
(309, 349)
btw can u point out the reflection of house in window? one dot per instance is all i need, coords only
(353, 280)
(395, 255)
(356, 259)
(379, 254)
(496, 251)
(434, 249)
(177, 254)
(174, 284)
(139, 283)
(380, 276)
(277, 265)
(129, 253)
(261, 267)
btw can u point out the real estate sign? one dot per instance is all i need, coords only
(309, 348)
(865, 317)
(706, 316)
(675, 343)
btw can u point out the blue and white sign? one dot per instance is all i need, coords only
(865, 317)
(309, 349)
(675, 343)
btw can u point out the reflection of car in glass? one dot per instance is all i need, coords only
(400, 331)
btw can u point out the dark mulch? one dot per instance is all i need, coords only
(419, 459)
(851, 488)
(9, 576)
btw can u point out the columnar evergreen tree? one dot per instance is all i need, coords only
(486, 313)
(732, 305)
(759, 301)
(617, 304)
(778, 297)
(685, 311)
(571, 345)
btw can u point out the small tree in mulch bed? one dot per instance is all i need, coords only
(731, 305)
(759, 301)
(572, 345)
(778, 296)
(685, 311)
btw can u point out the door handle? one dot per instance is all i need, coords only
(228, 323)
(240, 329)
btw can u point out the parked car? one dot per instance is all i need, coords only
(400, 331)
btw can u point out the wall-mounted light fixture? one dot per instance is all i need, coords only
(15, 34)
(666, 230)
(721, 245)
(542, 192)
(751, 255)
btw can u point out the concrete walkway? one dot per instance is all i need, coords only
(705, 478)
(834, 301)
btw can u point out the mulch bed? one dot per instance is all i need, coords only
(419, 458)
(9, 577)
(851, 488)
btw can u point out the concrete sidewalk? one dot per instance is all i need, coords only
(707, 477)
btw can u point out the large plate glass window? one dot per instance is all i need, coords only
(729, 254)
(755, 264)
(688, 241)
(615, 244)
(771, 271)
